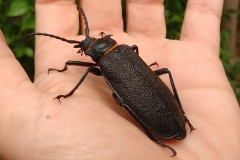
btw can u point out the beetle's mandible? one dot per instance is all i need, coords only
(135, 86)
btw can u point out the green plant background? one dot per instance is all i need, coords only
(17, 18)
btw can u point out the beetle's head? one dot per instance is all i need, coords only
(85, 44)
(96, 48)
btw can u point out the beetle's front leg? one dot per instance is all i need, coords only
(73, 63)
(93, 70)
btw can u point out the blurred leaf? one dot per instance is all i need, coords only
(176, 18)
(231, 11)
(28, 22)
(178, 7)
(21, 51)
(18, 8)
(236, 69)
(29, 52)
(226, 17)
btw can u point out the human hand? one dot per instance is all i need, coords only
(89, 124)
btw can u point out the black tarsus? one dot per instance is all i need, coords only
(189, 124)
(163, 145)
(85, 21)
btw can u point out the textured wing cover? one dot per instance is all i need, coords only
(142, 92)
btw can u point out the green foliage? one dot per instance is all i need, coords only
(232, 69)
(174, 14)
(16, 20)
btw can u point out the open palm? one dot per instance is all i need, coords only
(89, 124)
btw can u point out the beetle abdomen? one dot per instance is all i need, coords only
(143, 93)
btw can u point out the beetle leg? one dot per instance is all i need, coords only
(164, 71)
(163, 145)
(189, 124)
(73, 63)
(93, 70)
(159, 142)
(135, 48)
(154, 63)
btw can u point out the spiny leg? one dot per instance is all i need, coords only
(73, 63)
(93, 70)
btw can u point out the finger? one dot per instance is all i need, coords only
(146, 18)
(59, 17)
(12, 74)
(202, 22)
(103, 16)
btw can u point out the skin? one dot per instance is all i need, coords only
(90, 125)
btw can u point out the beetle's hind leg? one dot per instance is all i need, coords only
(160, 143)
(163, 145)
(189, 124)
(73, 63)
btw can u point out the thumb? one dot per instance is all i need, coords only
(11, 72)
(15, 94)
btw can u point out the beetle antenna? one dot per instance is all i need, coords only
(50, 35)
(85, 21)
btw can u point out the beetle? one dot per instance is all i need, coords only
(135, 86)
